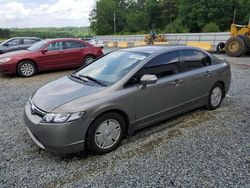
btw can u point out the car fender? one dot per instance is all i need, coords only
(27, 59)
(108, 108)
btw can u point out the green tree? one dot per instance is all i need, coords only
(102, 16)
(195, 14)
(211, 27)
(176, 27)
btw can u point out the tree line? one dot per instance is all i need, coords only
(166, 16)
(51, 32)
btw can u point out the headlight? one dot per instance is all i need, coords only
(4, 60)
(61, 118)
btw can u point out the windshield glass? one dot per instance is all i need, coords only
(112, 67)
(37, 45)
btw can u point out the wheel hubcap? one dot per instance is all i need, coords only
(216, 96)
(107, 134)
(27, 69)
(89, 60)
(234, 46)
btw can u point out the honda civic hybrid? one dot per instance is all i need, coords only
(96, 106)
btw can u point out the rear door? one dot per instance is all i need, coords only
(74, 53)
(27, 42)
(198, 75)
(157, 100)
(54, 57)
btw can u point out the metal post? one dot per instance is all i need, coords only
(114, 23)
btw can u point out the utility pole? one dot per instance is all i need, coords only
(114, 23)
(235, 11)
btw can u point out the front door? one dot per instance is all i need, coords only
(155, 101)
(54, 56)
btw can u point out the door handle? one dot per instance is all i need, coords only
(177, 82)
(208, 73)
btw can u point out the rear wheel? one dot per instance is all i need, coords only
(105, 133)
(235, 47)
(88, 59)
(215, 96)
(26, 69)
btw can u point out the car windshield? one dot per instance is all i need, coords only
(112, 67)
(37, 45)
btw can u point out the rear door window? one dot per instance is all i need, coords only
(73, 45)
(194, 59)
(29, 41)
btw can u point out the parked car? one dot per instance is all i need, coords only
(97, 43)
(49, 54)
(121, 92)
(17, 43)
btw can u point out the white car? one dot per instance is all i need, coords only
(96, 43)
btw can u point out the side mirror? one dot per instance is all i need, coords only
(6, 44)
(44, 50)
(148, 79)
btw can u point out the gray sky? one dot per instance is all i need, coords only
(44, 13)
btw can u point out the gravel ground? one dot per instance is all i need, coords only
(198, 149)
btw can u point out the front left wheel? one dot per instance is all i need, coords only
(105, 133)
(26, 69)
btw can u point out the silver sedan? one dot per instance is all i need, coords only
(126, 90)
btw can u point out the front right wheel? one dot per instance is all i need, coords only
(215, 96)
(105, 133)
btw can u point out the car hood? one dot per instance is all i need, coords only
(60, 92)
(18, 53)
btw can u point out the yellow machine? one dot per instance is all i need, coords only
(158, 38)
(239, 42)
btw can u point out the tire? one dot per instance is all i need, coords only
(26, 69)
(220, 48)
(246, 40)
(88, 59)
(216, 96)
(235, 47)
(105, 133)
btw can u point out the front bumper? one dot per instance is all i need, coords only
(57, 137)
(8, 67)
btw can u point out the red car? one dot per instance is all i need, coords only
(49, 55)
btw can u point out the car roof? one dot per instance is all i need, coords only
(153, 49)
(63, 39)
(25, 38)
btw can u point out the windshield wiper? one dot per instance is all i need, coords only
(78, 77)
(93, 79)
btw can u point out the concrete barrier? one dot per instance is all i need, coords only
(161, 43)
(122, 44)
(139, 43)
(111, 45)
(203, 45)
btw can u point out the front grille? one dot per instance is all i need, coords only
(35, 110)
